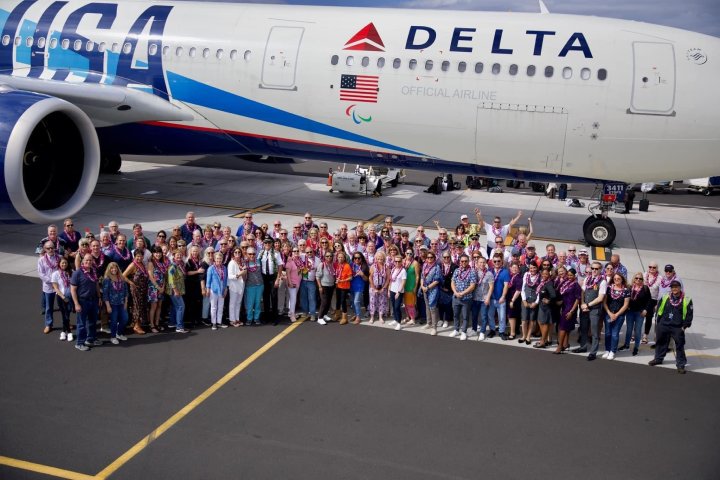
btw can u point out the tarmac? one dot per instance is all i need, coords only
(305, 401)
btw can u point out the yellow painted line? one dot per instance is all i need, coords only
(183, 412)
(379, 218)
(44, 469)
(148, 198)
(600, 254)
(261, 208)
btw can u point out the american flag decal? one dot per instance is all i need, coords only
(359, 88)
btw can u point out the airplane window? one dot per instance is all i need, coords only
(65, 44)
(53, 43)
(219, 54)
(334, 60)
(365, 61)
(567, 73)
(101, 47)
(462, 66)
(77, 45)
(246, 55)
(17, 41)
(28, 42)
(6, 40)
(585, 73)
(381, 62)
(166, 50)
(349, 61)
(89, 45)
(549, 71)
(152, 49)
(496, 68)
(115, 47)
(531, 71)
(428, 65)
(233, 54)
(445, 66)
(178, 51)
(602, 74)
(396, 63)
(412, 64)
(479, 67)
(192, 52)
(41, 42)
(513, 69)
(206, 52)
(127, 48)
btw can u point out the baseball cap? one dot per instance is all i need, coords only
(463, 217)
(669, 268)
(268, 240)
(516, 252)
(675, 283)
(531, 245)
(583, 251)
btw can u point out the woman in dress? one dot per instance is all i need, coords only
(360, 274)
(569, 291)
(193, 288)
(513, 300)
(430, 280)
(236, 285)
(616, 303)
(545, 296)
(115, 298)
(137, 276)
(379, 282)
(157, 273)
(640, 298)
(412, 273)
(343, 276)
(61, 285)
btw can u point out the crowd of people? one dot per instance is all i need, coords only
(193, 275)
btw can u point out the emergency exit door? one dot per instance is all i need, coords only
(653, 91)
(281, 55)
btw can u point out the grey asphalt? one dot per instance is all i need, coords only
(343, 402)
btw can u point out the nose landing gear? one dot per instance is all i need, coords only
(598, 229)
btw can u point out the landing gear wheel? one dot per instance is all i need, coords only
(110, 163)
(706, 191)
(599, 232)
(395, 181)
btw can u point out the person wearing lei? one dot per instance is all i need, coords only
(253, 287)
(193, 285)
(47, 264)
(176, 290)
(85, 292)
(343, 276)
(636, 313)
(570, 293)
(397, 289)
(308, 287)
(358, 283)
(652, 281)
(675, 315)
(546, 294)
(430, 281)
(514, 302)
(115, 295)
(412, 275)
(617, 301)
(217, 289)
(325, 277)
(379, 282)
(137, 276)
(99, 258)
(528, 294)
(120, 254)
(157, 273)
(293, 274)
(61, 284)
(463, 284)
(71, 238)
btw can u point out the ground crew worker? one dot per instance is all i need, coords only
(675, 314)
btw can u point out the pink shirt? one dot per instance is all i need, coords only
(293, 273)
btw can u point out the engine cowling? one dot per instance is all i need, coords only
(49, 158)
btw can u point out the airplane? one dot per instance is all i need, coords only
(534, 97)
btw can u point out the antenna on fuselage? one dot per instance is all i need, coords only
(543, 8)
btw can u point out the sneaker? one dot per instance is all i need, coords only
(491, 334)
(94, 343)
(611, 356)
(426, 326)
(681, 370)
(444, 324)
(70, 337)
(481, 337)
(398, 327)
(313, 318)
(605, 355)
(214, 327)
(321, 321)
(63, 336)
(104, 330)
(206, 323)
(120, 337)
(454, 333)
(433, 332)
(326, 318)
(504, 337)
(223, 325)
(635, 352)
(115, 341)
(463, 336)
(82, 348)
(624, 347)
(182, 330)
(654, 362)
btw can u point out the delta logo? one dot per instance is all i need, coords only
(367, 39)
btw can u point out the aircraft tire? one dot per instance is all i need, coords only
(599, 232)
(110, 163)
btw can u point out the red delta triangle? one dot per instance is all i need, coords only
(367, 39)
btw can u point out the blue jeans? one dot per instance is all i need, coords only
(357, 302)
(118, 320)
(501, 308)
(86, 320)
(479, 309)
(177, 311)
(308, 297)
(253, 294)
(397, 300)
(49, 299)
(634, 327)
(612, 333)
(205, 308)
(461, 311)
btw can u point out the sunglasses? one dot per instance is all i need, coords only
(445, 256)
(356, 258)
(654, 268)
(50, 249)
(595, 268)
(328, 256)
(252, 254)
(69, 225)
(638, 278)
(296, 251)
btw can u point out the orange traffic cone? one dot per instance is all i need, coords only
(329, 180)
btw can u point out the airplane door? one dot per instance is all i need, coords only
(653, 91)
(281, 54)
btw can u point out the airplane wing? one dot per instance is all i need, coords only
(105, 105)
